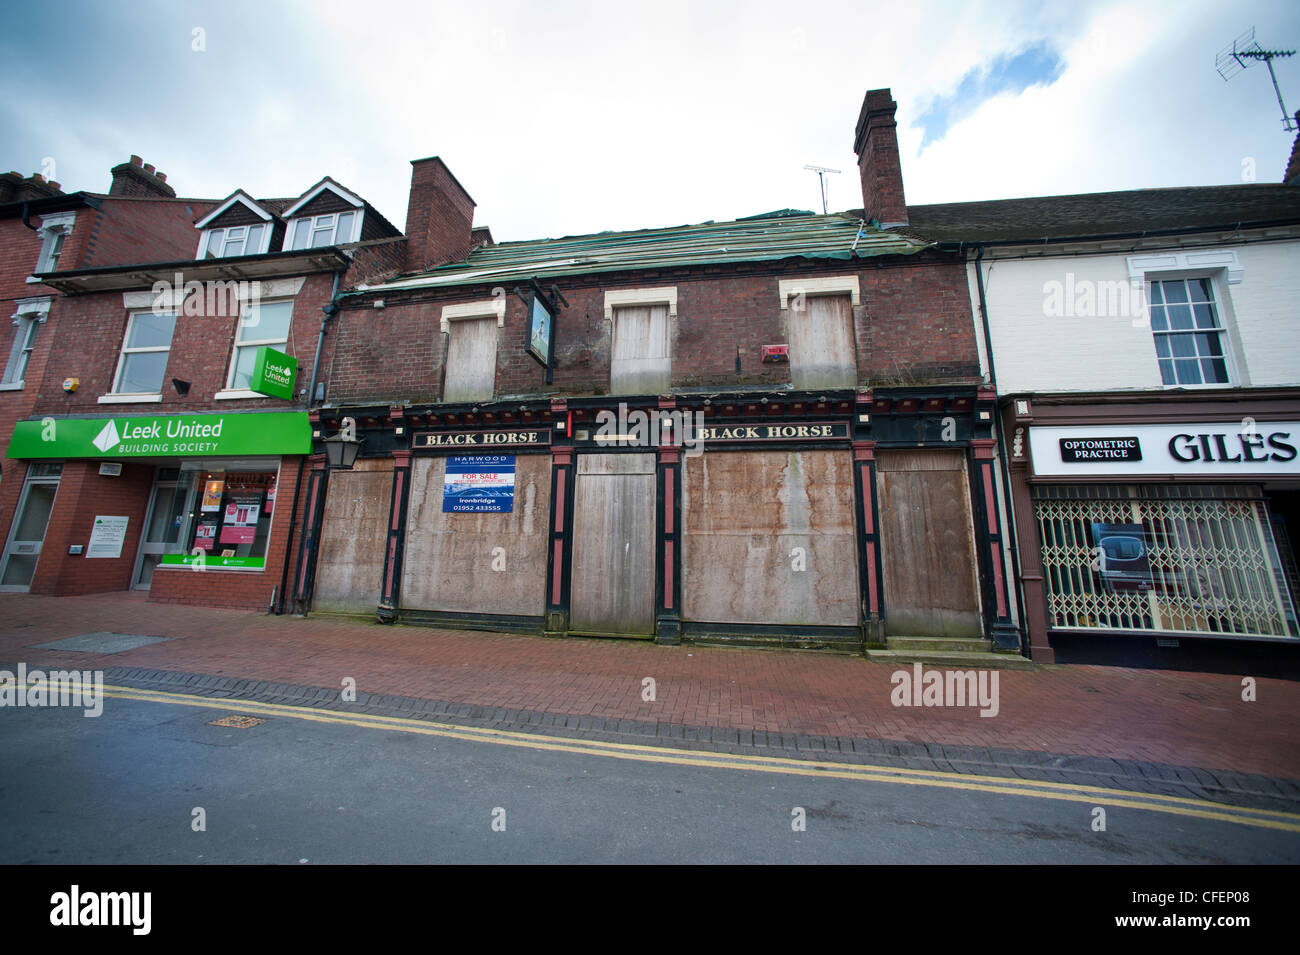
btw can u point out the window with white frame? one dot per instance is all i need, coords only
(332, 228)
(235, 240)
(263, 323)
(143, 362)
(28, 318)
(1190, 339)
(53, 233)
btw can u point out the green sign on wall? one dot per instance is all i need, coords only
(162, 436)
(273, 373)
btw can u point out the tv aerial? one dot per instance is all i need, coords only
(821, 175)
(1244, 51)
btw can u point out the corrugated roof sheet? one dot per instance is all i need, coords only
(708, 243)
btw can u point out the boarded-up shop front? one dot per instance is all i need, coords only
(931, 587)
(613, 588)
(350, 565)
(769, 539)
(489, 564)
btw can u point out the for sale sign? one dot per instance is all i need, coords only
(482, 483)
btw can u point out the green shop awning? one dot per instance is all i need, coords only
(163, 436)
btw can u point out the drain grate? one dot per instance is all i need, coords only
(238, 722)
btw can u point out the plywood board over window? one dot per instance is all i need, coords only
(822, 350)
(640, 357)
(471, 360)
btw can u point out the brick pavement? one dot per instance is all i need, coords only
(1149, 716)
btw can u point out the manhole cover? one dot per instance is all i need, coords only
(238, 722)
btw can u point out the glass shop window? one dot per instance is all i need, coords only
(230, 520)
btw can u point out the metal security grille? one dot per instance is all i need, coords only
(1214, 567)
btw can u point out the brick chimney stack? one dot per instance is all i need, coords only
(14, 188)
(1292, 176)
(876, 143)
(439, 217)
(140, 179)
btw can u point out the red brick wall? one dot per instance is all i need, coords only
(439, 216)
(241, 589)
(83, 494)
(131, 231)
(914, 326)
(88, 340)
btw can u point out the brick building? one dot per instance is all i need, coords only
(148, 445)
(1145, 359)
(774, 430)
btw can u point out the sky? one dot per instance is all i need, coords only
(564, 118)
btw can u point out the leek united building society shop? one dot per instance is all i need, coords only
(139, 502)
(1164, 520)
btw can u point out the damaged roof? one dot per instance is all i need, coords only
(780, 235)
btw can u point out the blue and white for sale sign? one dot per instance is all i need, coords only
(483, 483)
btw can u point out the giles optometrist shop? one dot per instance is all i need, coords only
(1171, 520)
(141, 502)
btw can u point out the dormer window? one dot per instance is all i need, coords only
(238, 226)
(325, 215)
(333, 228)
(234, 240)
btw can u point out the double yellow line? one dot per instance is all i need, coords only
(1040, 789)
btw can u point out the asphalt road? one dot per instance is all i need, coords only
(124, 787)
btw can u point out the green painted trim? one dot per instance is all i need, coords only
(214, 563)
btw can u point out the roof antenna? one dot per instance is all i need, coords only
(821, 175)
(1241, 54)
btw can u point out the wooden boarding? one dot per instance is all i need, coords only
(350, 562)
(927, 544)
(613, 589)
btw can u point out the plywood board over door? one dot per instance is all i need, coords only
(477, 562)
(613, 589)
(927, 544)
(350, 562)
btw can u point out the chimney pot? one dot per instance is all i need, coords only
(162, 176)
(148, 168)
(137, 161)
(37, 177)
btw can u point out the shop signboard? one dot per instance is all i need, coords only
(273, 373)
(210, 435)
(1228, 449)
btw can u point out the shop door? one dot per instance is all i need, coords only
(167, 509)
(927, 544)
(613, 583)
(23, 549)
